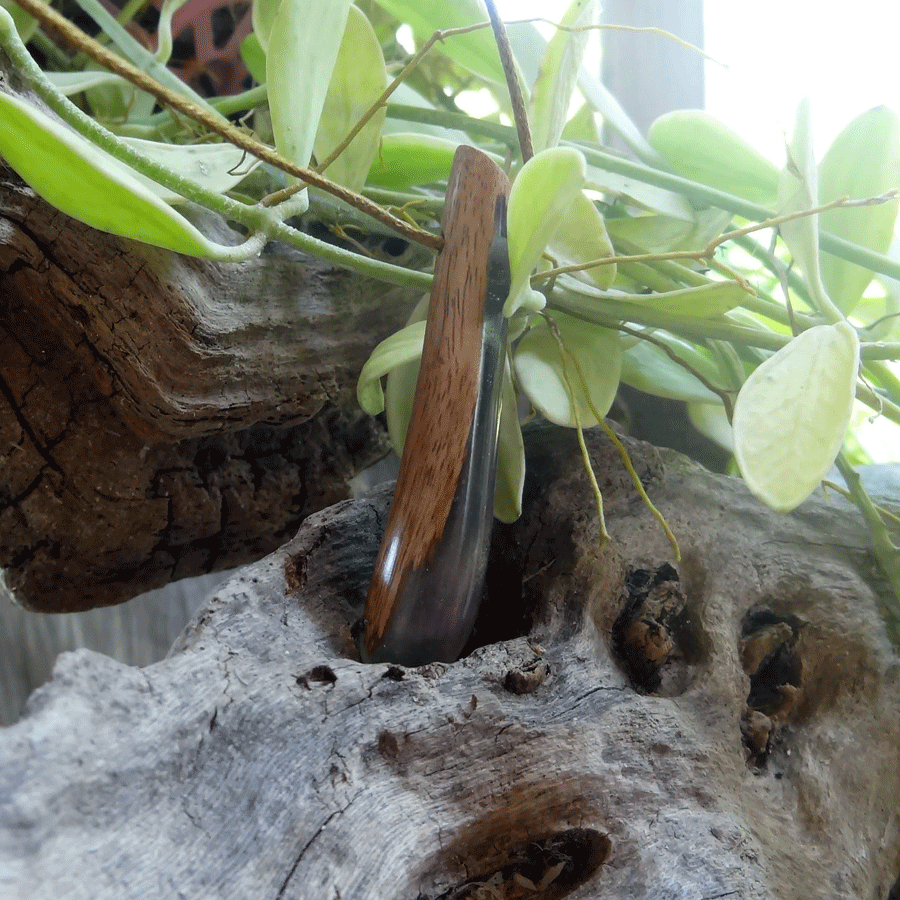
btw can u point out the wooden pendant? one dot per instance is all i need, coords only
(429, 574)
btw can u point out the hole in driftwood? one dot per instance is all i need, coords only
(545, 868)
(769, 656)
(656, 636)
(502, 615)
(318, 674)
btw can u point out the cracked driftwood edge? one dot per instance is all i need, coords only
(262, 760)
(162, 416)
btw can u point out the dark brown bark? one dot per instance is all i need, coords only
(162, 416)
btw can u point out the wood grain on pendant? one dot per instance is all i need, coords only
(428, 576)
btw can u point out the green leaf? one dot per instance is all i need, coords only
(303, 47)
(798, 191)
(638, 193)
(358, 80)
(539, 369)
(475, 51)
(705, 300)
(647, 368)
(710, 420)
(541, 195)
(552, 92)
(582, 237)
(700, 147)
(792, 413)
(263, 14)
(863, 161)
(510, 455)
(254, 57)
(213, 167)
(402, 347)
(400, 387)
(662, 234)
(88, 184)
(406, 159)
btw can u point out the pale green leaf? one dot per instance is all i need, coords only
(662, 234)
(475, 50)
(510, 455)
(541, 195)
(400, 348)
(792, 413)
(711, 420)
(401, 381)
(254, 57)
(705, 300)
(539, 369)
(303, 47)
(648, 368)
(863, 161)
(798, 191)
(263, 15)
(552, 92)
(358, 80)
(580, 238)
(88, 184)
(638, 193)
(213, 167)
(700, 147)
(582, 127)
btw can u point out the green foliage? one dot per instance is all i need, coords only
(701, 272)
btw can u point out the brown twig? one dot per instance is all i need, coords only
(520, 114)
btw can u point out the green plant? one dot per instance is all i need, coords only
(708, 276)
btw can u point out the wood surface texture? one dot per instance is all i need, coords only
(448, 384)
(261, 760)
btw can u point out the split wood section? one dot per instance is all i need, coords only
(420, 599)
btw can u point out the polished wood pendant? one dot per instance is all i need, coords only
(428, 577)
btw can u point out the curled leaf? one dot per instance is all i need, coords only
(402, 347)
(792, 413)
(541, 195)
(582, 237)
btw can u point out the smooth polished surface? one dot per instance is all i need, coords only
(428, 577)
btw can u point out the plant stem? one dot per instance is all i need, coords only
(213, 121)
(885, 551)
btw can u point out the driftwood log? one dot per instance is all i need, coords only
(623, 727)
(162, 417)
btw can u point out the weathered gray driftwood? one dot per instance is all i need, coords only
(261, 760)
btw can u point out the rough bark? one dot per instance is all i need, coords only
(162, 416)
(729, 727)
